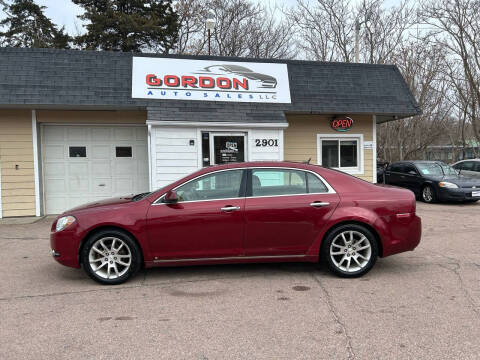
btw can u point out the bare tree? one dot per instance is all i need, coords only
(384, 29)
(243, 28)
(456, 27)
(191, 35)
(423, 67)
(324, 29)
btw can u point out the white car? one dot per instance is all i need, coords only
(470, 168)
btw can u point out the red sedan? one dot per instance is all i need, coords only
(239, 213)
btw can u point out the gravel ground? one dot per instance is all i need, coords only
(418, 305)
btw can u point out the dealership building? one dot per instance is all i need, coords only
(79, 126)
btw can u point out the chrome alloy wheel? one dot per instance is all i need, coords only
(110, 257)
(350, 251)
(427, 194)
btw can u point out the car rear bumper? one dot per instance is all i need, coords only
(404, 235)
(461, 194)
(63, 248)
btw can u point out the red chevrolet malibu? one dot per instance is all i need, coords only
(239, 213)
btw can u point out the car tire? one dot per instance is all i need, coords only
(111, 257)
(350, 250)
(428, 194)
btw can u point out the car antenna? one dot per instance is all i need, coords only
(308, 161)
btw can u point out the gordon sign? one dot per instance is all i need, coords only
(342, 123)
(208, 80)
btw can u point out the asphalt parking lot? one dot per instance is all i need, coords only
(418, 305)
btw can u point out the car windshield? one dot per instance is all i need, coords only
(436, 169)
(448, 170)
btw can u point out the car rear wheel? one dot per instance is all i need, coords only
(350, 250)
(111, 257)
(428, 194)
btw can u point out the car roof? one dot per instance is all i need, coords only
(247, 164)
(419, 162)
(467, 160)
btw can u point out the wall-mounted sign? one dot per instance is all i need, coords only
(209, 80)
(368, 145)
(343, 123)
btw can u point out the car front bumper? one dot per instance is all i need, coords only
(64, 247)
(460, 194)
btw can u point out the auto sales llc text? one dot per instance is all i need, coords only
(213, 95)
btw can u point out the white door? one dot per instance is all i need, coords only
(88, 163)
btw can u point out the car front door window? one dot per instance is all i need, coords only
(219, 185)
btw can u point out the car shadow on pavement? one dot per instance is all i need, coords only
(165, 275)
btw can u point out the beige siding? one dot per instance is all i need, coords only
(91, 117)
(16, 148)
(300, 138)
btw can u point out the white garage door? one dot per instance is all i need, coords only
(88, 163)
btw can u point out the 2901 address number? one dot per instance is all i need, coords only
(266, 142)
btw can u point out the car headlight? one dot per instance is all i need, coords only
(64, 222)
(449, 185)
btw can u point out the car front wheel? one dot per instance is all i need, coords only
(350, 250)
(111, 257)
(428, 194)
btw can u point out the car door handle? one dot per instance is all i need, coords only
(319, 204)
(230, 208)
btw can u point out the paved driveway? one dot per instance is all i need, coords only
(419, 305)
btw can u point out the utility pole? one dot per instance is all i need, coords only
(209, 38)
(357, 40)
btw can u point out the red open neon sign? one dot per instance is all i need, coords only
(342, 123)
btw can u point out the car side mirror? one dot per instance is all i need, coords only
(170, 197)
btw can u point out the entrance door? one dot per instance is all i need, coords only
(227, 148)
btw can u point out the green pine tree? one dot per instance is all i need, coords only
(129, 25)
(27, 26)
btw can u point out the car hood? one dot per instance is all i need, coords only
(460, 180)
(103, 203)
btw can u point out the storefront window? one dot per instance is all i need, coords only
(330, 153)
(348, 153)
(340, 153)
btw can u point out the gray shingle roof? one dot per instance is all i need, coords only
(49, 78)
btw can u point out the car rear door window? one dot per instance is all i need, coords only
(272, 182)
(219, 185)
(315, 185)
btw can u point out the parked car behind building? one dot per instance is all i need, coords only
(433, 181)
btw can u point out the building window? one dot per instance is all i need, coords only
(341, 152)
(123, 151)
(77, 151)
